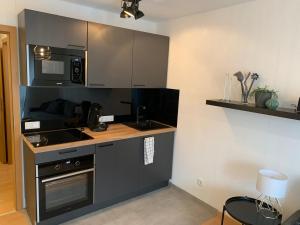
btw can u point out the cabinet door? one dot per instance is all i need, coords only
(105, 172)
(109, 56)
(55, 31)
(161, 169)
(117, 170)
(150, 60)
(128, 166)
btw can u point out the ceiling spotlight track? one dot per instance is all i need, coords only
(130, 8)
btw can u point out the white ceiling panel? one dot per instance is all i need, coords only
(159, 10)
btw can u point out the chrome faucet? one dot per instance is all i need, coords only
(138, 117)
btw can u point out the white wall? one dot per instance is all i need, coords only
(224, 147)
(10, 8)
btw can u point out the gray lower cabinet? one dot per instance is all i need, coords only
(161, 169)
(105, 172)
(109, 56)
(120, 169)
(120, 172)
(150, 60)
(127, 162)
(51, 30)
(117, 170)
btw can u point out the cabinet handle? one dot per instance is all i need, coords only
(97, 85)
(67, 175)
(104, 146)
(77, 46)
(126, 103)
(67, 151)
(139, 85)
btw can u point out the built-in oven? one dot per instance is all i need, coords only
(63, 186)
(49, 66)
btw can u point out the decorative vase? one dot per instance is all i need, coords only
(261, 98)
(272, 104)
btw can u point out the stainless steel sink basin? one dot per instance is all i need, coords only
(146, 125)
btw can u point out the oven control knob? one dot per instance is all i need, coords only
(77, 163)
(76, 70)
(57, 167)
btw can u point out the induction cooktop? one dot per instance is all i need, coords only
(42, 139)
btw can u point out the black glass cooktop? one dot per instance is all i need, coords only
(56, 137)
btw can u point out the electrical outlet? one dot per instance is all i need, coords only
(32, 125)
(199, 182)
(106, 119)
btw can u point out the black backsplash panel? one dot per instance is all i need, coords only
(60, 108)
(161, 104)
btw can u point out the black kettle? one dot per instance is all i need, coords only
(93, 122)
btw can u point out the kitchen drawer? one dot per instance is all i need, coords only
(61, 154)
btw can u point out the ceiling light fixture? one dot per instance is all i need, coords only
(130, 8)
(123, 13)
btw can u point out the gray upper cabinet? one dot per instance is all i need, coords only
(109, 56)
(52, 30)
(116, 58)
(150, 60)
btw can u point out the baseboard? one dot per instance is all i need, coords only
(228, 220)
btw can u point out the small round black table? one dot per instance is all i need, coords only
(244, 210)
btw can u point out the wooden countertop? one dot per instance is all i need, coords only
(115, 132)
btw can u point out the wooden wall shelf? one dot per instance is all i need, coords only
(280, 112)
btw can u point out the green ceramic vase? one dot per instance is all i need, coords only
(272, 104)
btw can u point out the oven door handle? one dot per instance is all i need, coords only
(67, 175)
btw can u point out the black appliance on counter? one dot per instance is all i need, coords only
(64, 67)
(93, 120)
(40, 139)
(63, 186)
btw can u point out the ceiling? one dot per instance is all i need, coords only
(158, 10)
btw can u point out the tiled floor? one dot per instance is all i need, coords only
(21, 218)
(169, 206)
(7, 189)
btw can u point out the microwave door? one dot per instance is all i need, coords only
(55, 71)
(65, 67)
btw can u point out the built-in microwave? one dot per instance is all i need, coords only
(61, 67)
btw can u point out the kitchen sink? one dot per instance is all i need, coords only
(146, 125)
